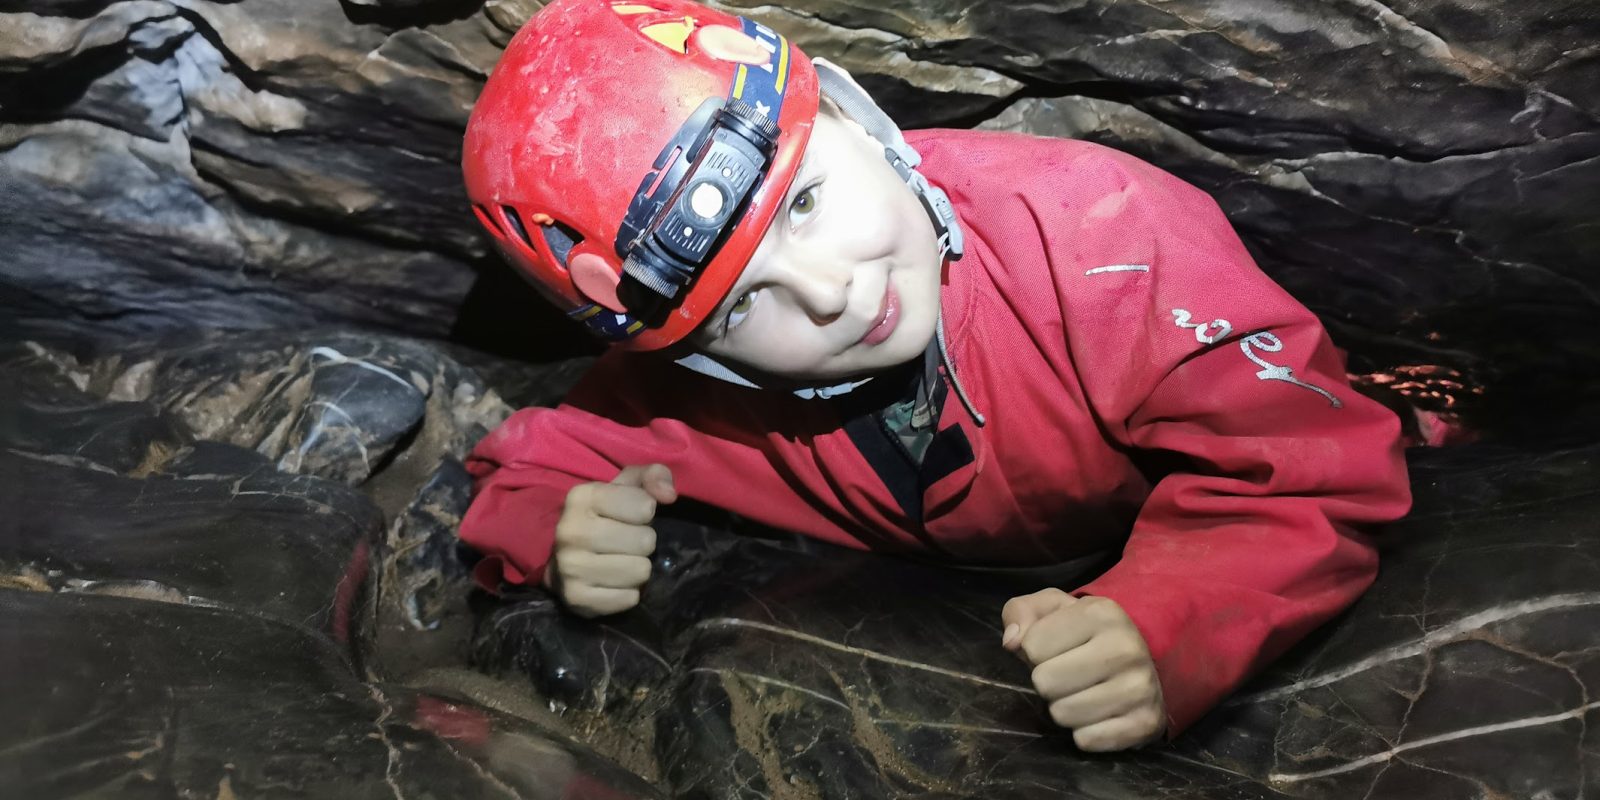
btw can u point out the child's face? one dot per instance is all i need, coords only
(846, 281)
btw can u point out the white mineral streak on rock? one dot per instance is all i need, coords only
(335, 358)
(1434, 638)
(732, 622)
(1464, 733)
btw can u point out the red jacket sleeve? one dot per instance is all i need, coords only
(1257, 536)
(628, 409)
(521, 474)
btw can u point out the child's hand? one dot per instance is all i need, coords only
(1090, 664)
(604, 540)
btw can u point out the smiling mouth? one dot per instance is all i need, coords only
(888, 317)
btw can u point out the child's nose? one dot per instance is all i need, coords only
(820, 286)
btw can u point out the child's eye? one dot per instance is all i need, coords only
(804, 204)
(741, 309)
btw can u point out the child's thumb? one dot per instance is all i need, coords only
(658, 483)
(654, 479)
(1021, 612)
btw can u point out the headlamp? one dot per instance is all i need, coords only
(698, 190)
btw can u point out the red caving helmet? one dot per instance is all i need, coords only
(628, 156)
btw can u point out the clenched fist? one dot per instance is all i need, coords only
(1090, 664)
(604, 540)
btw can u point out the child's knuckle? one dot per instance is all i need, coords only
(571, 562)
(1100, 608)
(1030, 651)
(1149, 684)
(1149, 719)
(1063, 713)
(578, 595)
(580, 496)
(587, 533)
(1043, 681)
(1127, 649)
(638, 570)
(568, 531)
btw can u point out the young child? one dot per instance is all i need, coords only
(797, 293)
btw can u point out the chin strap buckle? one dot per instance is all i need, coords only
(904, 160)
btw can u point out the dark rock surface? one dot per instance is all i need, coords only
(1422, 174)
(208, 539)
(373, 412)
(153, 699)
(183, 617)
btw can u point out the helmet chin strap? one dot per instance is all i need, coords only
(706, 365)
(859, 107)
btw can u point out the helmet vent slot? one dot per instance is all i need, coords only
(488, 220)
(514, 221)
(561, 238)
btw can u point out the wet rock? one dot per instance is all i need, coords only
(1461, 663)
(309, 407)
(370, 411)
(201, 539)
(128, 697)
(235, 418)
(426, 547)
(424, 610)
(127, 438)
(813, 671)
(117, 498)
(187, 617)
(46, 410)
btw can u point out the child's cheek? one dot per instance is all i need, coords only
(780, 341)
(865, 230)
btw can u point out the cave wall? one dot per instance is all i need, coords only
(1422, 174)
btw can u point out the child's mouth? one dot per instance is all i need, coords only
(888, 317)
